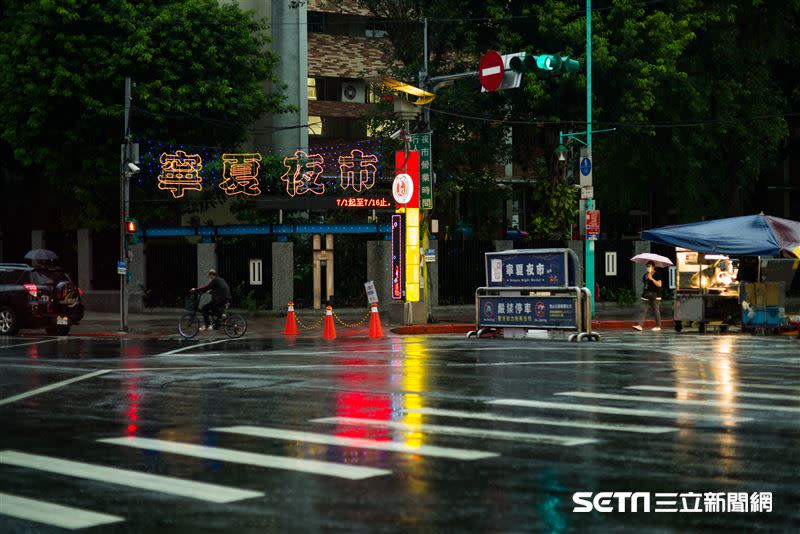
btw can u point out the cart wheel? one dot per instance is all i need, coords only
(701, 327)
(678, 326)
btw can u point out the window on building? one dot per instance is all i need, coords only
(314, 125)
(312, 88)
(316, 22)
(374, 94)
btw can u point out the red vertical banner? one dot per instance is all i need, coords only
(405, 188)
(592, 224)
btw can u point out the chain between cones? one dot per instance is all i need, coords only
(304, 326)
(351, 325)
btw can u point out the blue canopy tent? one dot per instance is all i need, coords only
(751, 235)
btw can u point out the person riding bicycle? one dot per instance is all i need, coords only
(220, 297)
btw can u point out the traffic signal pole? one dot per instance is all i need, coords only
(589, 244)
(124, 191)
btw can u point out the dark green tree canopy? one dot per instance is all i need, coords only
(199, 68)
(703, 95)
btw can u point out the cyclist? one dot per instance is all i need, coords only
(220, 297)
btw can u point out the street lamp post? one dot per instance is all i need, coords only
(124, 191)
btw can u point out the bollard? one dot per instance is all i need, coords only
(290, 329)
(328, 330)
(375, 330)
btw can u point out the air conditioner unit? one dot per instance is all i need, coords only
(353, 92)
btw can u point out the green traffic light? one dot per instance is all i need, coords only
(570, 65)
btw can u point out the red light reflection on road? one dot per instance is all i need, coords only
(351, 401)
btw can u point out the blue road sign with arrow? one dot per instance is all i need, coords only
(586, 166)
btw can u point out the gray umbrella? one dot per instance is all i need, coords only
(41, 254)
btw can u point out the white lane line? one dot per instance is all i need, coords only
(51, 387)
(194, 346)
(554, 362)
(123, 477)
(325, 439)
(29, 344)
(749, 385)
(351, 472)
(665, 400)
(458, 431)
(642, 429)
(613, 410)
(51, 514)
(734, 392)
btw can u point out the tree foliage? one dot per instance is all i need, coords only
(199, 71)
(701, 93)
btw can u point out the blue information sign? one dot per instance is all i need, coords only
(527, 312)
(529, 269)
(586, 166)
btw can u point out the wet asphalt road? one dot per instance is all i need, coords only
(412, 434)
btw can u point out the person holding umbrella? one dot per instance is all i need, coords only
(652, 284)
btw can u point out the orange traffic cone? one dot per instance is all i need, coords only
(291, 322)
(328, 330)
(375, 329)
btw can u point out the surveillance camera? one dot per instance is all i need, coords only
(397, 134)
(133, 167)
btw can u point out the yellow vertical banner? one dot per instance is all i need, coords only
(412, 254)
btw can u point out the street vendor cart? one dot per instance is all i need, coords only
(731, 271)
(707, 290)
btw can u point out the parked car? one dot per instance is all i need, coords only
(37, 297)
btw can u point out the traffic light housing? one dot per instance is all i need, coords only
(544, 65)
(132, 229)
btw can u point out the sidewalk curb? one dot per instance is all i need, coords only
(463, 328)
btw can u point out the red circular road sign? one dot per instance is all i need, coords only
(491, 70)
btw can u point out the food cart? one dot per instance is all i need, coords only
(732, 271)
(706, 290)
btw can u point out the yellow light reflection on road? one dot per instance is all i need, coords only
(413, 383)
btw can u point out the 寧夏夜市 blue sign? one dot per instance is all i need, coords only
(528, 269)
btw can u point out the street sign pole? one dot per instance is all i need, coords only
(589, 244)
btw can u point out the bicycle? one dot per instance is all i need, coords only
(234, 324)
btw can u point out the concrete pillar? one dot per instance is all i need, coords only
(379, 266)
(282, 274)
(290, 43)
(37, 239)
(206, 260)
(433, 272)
(578, 248)
(638, 269)
(137, 281)
(85, 259)
(503, 244)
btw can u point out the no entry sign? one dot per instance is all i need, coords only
(491, 70)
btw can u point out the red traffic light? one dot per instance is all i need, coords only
(131, 226)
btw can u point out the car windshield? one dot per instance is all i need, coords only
(48, 277)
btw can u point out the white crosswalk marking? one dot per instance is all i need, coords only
(51, 514)
(735, 393)
(665, 400)
(393, 446)
(351, 472)
(51, 387)
(748, 385)
(124, 477)
(642, 429)
(613, 410)
(458, 431)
